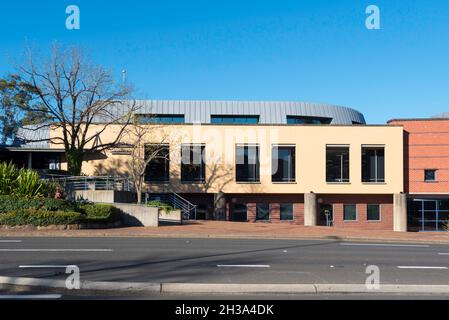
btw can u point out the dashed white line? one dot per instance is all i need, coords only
(385, 245)
(10, 241)
(56, 250)
(243, 266)
(421, 267)
(443, 253)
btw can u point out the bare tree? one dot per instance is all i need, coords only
(142, 151)
(80, 100)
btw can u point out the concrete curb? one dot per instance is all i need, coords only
(228, 288)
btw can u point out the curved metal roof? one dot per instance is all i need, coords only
(269, 112)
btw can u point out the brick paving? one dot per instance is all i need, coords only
(225, 229)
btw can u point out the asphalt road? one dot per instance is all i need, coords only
(223, 261)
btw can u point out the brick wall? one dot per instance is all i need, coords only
(426, 146)
(361, 202)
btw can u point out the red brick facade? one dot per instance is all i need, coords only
(426, 146)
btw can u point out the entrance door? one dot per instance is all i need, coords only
(326, 217)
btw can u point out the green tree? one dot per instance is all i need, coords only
(14, 101)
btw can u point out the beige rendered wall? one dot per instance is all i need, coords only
(310, 142)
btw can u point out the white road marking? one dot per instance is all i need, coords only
(243, 265)
(10, 241)
(56, 250)
(421, 267)
(31, 296)
(385, 245)
(443, 253)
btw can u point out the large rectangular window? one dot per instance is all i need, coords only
(373, 164)
(158, 167)
(247, 163)
(193, 168)
(337, 164)
(234, 119)
(161, 118)
(308, 120)
(286, 211)
(263, 211)
(349, 212)
(283, 164)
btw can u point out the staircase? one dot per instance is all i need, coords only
(187, 208)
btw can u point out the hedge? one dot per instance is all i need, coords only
(40, 218)
(100, 213)
(13, 203)
(164, 206)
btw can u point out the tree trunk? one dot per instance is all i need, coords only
(139, 190)
(74, 161)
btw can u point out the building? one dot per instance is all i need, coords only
(426, 169)
(277, 162)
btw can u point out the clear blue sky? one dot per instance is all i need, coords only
(314, 50)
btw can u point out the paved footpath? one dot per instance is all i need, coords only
(225, 229)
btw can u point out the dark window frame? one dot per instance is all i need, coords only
(434, 172)
(161, 118)
(200, 168)
(346, 205)
(379, 168)
(292, 213)
(149, 177)
(267, 215)
(292, 168)
(298, 120)
(344, 174)
(232, 119)
(240, 168)
(379, 213)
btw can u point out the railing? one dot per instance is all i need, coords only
(91, 183)
(187, 208)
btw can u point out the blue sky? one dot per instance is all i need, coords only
(314, 50)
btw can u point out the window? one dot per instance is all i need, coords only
(247, 163)
(234, 119)
(193, 168)
(286, 211)
(161, 118)
(349, 212)
(308, 120)
(337, 164)
(430, 175)
(239, 212)
(283, 164)
(157, 169)
(373, 212)
(373, 164)
(263, 211)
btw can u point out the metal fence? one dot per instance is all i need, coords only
(91, 183)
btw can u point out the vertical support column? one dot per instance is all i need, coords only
(220, 206)
(30, 160)
(400, 212)
(310, 209)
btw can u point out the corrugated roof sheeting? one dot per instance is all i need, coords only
(270, 112)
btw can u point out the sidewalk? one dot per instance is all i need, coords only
(238, 230)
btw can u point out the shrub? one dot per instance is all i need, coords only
(164, 206)
(23, 182)
(100, 213)
(39, 218)
(8, 174)
(14, 203)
